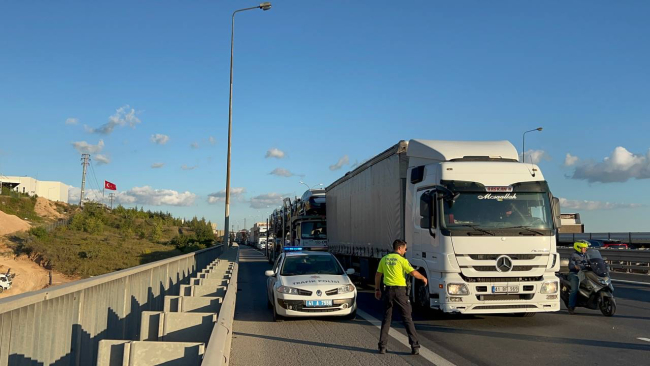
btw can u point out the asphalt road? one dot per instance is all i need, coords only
(587, 338)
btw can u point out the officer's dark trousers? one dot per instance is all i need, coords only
(397, 297)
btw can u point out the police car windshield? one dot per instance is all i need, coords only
(301, 265)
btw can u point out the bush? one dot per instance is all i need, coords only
(38, 232)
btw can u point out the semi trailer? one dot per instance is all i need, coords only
(479, 224)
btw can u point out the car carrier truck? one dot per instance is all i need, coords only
(479, 224)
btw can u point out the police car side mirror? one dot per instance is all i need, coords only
(350, 271)
(269, 273)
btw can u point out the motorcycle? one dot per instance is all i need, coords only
(596, 289)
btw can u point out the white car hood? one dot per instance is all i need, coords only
(315, 281)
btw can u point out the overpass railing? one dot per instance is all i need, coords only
(618, 260)
(63, 325)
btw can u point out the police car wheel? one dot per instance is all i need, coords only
(268, 304)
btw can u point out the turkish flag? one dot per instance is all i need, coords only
(110, 186)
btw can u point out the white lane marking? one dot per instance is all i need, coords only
(644, 339)
(633, 282)
(424, 352)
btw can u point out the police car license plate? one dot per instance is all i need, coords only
(504, 289)
(317, 303)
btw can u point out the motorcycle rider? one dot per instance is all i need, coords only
(576, 264)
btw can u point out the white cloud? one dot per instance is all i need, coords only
(194, 145)
(157, 165)
(212, 140)
(102, 159)
(136, 195)
(267, 200)
(342, 161)
(620, 166)
(155, 197)
(570, 160)
(93, 195)
(281, 172)
(235, 192)
(71, 121)
(274, 153)
(123, 116)
(159, 139)
(585, 205)
(85, 148)
(536, 156)
(185, 167)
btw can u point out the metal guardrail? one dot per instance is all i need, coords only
(218, 350)
(620, 260)
(63, 325)
(629, 238)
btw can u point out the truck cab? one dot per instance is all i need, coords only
(481, 227)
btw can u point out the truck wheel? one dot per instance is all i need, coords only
(422, 296)
(2, 289)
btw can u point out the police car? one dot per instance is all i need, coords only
(310, 283)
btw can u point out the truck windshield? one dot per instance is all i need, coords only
(301, 265)
(498, 211)
(314, 230)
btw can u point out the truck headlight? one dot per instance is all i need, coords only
(549, 287)
(345, 289)
(457, 289)
(287, 290)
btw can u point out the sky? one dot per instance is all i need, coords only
(319, 87)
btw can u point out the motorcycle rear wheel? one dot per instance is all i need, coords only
(607, 306)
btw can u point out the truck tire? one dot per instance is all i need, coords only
(2, 289)
(422, 296)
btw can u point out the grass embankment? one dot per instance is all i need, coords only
(99, 241)
(19, 204)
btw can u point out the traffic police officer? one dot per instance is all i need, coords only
(394, 267)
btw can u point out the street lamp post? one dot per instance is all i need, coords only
(308, 187)
(263, 6)
(523, 144)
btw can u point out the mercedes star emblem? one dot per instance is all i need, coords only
(504, 264)
(319, 292)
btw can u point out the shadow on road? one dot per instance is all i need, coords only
(532, 338)
(316, 344)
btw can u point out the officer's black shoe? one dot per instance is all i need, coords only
(382, 350)
(571, 311)
(415, 351)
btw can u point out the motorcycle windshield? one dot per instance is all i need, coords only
(597, 263)
(599, 267)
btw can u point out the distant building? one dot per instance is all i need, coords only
(571, 223)
(214, 227)
(53, 191)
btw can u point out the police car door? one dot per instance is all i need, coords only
(270, 281)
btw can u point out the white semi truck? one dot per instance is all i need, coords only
(480, 225)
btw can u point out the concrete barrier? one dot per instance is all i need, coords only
(135, 353)
(218, 348)
(63, 325)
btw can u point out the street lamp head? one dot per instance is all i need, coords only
(265, 6)
(539, 128)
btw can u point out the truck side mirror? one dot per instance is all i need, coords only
(555, 208)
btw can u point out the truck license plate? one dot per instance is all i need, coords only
(504, 289)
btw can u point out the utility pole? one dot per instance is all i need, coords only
(111, 195)
(85, 158)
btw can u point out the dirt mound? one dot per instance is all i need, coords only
(47, 209)
(11, 223)
(29, 276)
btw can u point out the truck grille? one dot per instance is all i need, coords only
(501, 279)
(501, 307)
(494, 268)
(493, 257)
